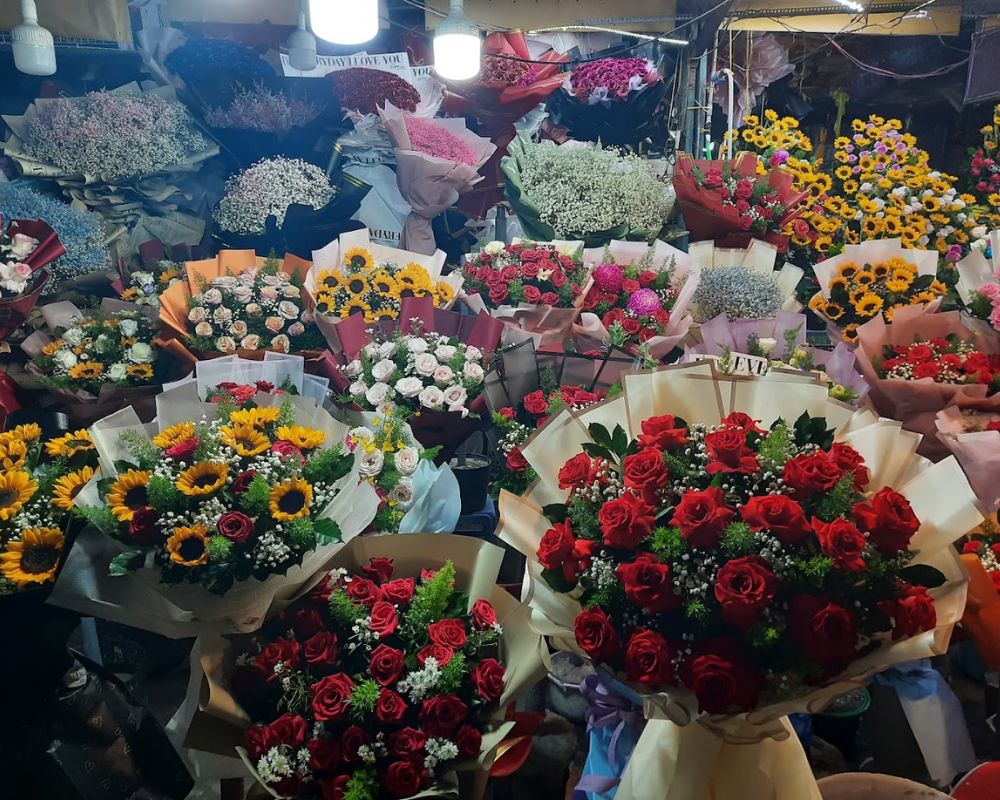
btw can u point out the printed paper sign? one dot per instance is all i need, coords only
(737, 363)
(397, 63)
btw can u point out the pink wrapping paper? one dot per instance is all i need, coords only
(977, 451)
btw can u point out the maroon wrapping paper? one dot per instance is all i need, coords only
(14, 312)
(49, 247)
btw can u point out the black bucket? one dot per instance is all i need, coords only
(472, 470)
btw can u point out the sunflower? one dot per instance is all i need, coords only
(68, 486)
(290, 500)
(13, 453)
(386, 312)
(851, 186)
(890, 312)
(838, 283)
(302, 437)
(850, 333)
(33, 558)
(855, 295)
(70, 444)
(140, 372)
(168, 275)
(821, 183)
(880, 270)
(256, 417)
(931, 203)
(128, 494)
(847, 270)
(817, 303)
(354, 305)
(865, 277)
(357, 258)
(869, 305)
(246, 440)
(326, 303)
(892, 226)
(28, 432)
(187, 546)
(53, 347)
(937, 287)
(384, 283)
(16, 488)
(858, 125)
(413, 276)
(329, 280)
(833, 311)
(871, 227)
(175, 434)
(923, 297)
(356, 284)
(202, 479)
(86, 371)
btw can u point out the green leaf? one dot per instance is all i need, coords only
(126, 562)
(922, 575)
(327, 531)
(619, 441)
(598, 451)
(555, 512)
(599, 434)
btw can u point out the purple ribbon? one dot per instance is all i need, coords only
(607, 708)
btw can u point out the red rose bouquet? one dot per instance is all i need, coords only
(734, 571)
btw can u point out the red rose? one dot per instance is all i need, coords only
(331, 696)
(648, 585)
(579, 559)
(258, 740)
(721, 677)
(383, 619)
(702, 516)
(144, 527)
(842, 542)
(728, 451)
(324, 755)
(183, 451)
(535, 403)
(510, 273)
(483, 615)
(647, 659)
(378, 568)
(438, 652)
(631, 326)
(645, 472)
(488, 677)
(824, 630)
(399, 592)
(929, 369)
(625, 521)
(889, 521)
(556, 545)
(386, 664)
(449, 632)
(662, 432)
(646, 278)
(629, 286)
(242, 482)
(364, 591)
(440, 715)
(996, 549)
(507, 413)
(558, 278)
(306, 621)
(287, 651)
(529, 269)
(407, 743)
(351, 740)
(284, 450)
(596, 634)
(550, 298)
(498, 293)
(576, 472)
(742, 421)
(321, 648)
(995, 577)
(972, 547)
(469, 741)
(335, 789)
(743, 587)
(850, 460)
(403, 778)
(919, 353)
(777, 513)
(390, 707)
(585, 398)
(811, 472)
(613, 316)
(289, 729)
(320, 593)
(532, 294)
(912, 612)
(235, 526)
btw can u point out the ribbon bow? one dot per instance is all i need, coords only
(607, 708)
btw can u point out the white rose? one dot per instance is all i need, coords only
(360, 434)
(128, 327)
(242, 294)
(225, 344)
(381, 370)
(65, 359)
(979, 232)
(274, 324)
(252, 309)
(291, 291)
(272, 280)
(377, 393)
(238, 329)
(288, 309)
(357, 389)
(22, 245)
(473, 353)
(444, 374)
(353, 369)
(767, 345)
(416, 344)
(431, 397)
(459, 410)
(72, 336)
(371, 462)
(386, 349)
(203, 329)
(371, 350)
(222, 315)
(406, 460)
(212, 297)
(445, 352)
(494, 248)
(566, 249)
(455, 395)
(225, 281)
(473, 372)
(250, 342)
(307, 316)
(117, 372)
(139, 353)
(281, 344)
(425, 364)
(268, 293)
(402, 494)
(103, 344)
(296, 329)
(409, 387)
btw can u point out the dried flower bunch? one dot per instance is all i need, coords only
(435, 140)
(737, 292)
(260, 109)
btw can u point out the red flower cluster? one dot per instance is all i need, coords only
(366, 90)
(525, 273)
(944, 361)
(382, 711)
(763, 544)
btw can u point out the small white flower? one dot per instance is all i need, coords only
(357, 389)
(203, 329)
(444, 374)
(406, 460)
(409, 387)
(381, 370)
(455, 395)
(416, 344)
(431, 397)
(212, 297)
(128, 327)
(473, 372)
(377, 393)
(371, 461)
(140, 353)
(116, 371)
(445, 352)
(425, 364)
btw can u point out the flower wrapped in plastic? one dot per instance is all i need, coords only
(639, 296)
(712, 543)
(436, 162)
(973, 437)
(978, 287)
(239, 303)
(582, 191)
(98, 362)
(27, 247)
(981, 620)
(876, 278)
(777, 343)
(231, 500)
(730, 202)
(923, 362)
(389, 713)
(156, 271)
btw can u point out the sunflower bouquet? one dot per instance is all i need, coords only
(874, 279)
(37, 489)
(984, 167)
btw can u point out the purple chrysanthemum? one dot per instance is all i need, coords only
(644, 301)
(609, 277)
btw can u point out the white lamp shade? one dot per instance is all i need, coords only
(33, 46)
(457, 55)
(344, 21)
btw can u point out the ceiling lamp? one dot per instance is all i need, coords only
(857, 8)
(302, 45)
(33, 46)
(457, 47)
(344, 21)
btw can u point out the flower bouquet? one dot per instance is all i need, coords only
(973, 437)
(978, 287)
(984, 165)
(614, 101)
(226, 505)
(731, 551)
(142, 284)
(388, 676)
(729, 202)
(131, 166)
(239, 303)
(97, 362)
(639, 297)
(26, 248)
(920, 364)
(980, 553)
(582, 191)
(874, 278)
(436, 162)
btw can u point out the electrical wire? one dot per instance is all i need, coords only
(898, 76)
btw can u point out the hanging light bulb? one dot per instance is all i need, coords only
(344, 21)
(302, 44)
(33, 46)
(457, 47)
